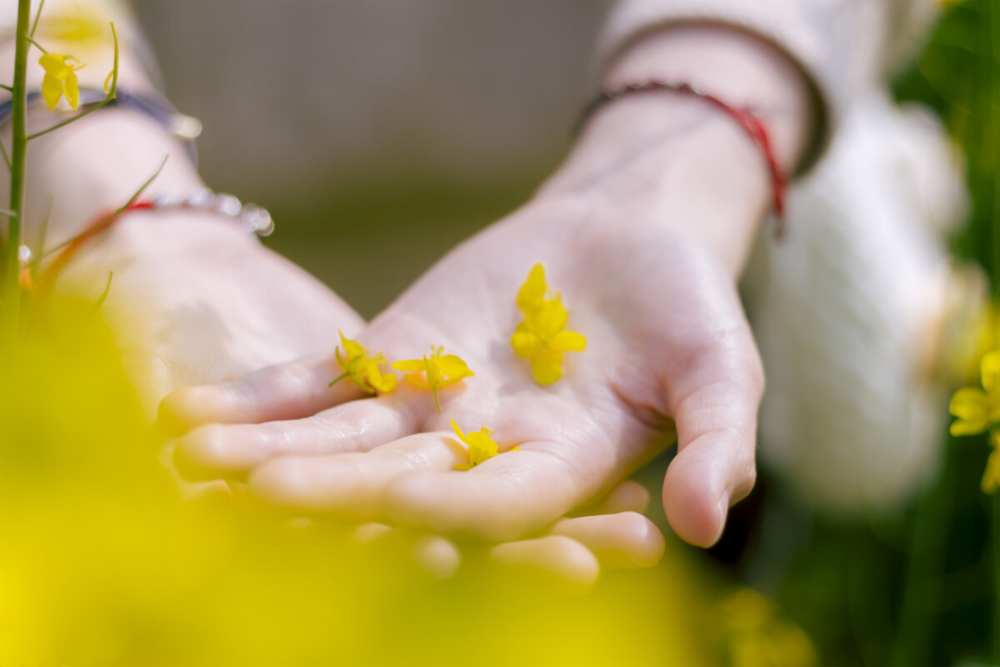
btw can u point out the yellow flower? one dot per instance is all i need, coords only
(60, 79)
(543, 340)
(991, 477)
(758, 635)
(534, 291)
(977, 409)
(481, 446)
(439, 371)
(362, 368)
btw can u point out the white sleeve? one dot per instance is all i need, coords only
(844, 47)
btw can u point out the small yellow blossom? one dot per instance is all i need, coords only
(977, 409)
(362, 368)
(481, 446)
(60, 79)
(542, 337)
(534, 291)
(991, 476)
(439, 371)
(758, 635)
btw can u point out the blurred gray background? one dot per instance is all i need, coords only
(378, 132)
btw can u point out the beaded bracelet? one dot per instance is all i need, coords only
(148, 103)
(252, 218)
(745, 116)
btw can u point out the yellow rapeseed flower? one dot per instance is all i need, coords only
(60, 79)
(991, 476)
(542, 337)
(439, 371)
(975, 408)
(481, 446)
(534, 291)
(362, 368)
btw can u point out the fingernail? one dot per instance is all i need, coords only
(722, 508)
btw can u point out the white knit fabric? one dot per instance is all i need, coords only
(841, 309)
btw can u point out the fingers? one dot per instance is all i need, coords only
(286, 391)
(714, 395)
(432, 553)
(625, 540)
(502, 499)
(352, 483)
(356, 426)
(555, 554)
(629, 496)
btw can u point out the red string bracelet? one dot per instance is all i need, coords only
(47, 277)
(252, 218)
(745, 116)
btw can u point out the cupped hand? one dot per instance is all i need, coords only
(194, 300)
(667, 342)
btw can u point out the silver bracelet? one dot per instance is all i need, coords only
(253, 218)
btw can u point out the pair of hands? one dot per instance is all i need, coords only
(643, 231)
(666, 338)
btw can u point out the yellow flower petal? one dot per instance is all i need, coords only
(55, 65)
(569, 341)
(417, 381)
(550, 318)
(458, 432)
(72, 91)
(386, 383)
(525, 344)
(352, 348)
(990, 370)
(411, 365)
(454, 367)
(52, 89)
(369, 370)
(532, 292)
(969, 403)
(991, 477)
(546, 367)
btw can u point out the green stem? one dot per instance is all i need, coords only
(928, 552)
(97, 304)
(338, 378)
(37, 45)
(6, 155)
(103, 222)
(11, 264)
(995, 558)
(437, 403)
(38, 17)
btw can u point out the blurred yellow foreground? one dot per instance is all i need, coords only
(102, 563)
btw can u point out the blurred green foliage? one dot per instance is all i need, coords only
(910, 589)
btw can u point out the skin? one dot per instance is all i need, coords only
(644, 230)
(196, 301)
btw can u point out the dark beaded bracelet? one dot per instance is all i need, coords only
(148, 103)
(745, 116)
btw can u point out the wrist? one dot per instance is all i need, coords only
(674, 162)
(96, 165)
(679, 160)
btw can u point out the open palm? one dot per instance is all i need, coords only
(666, 340)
